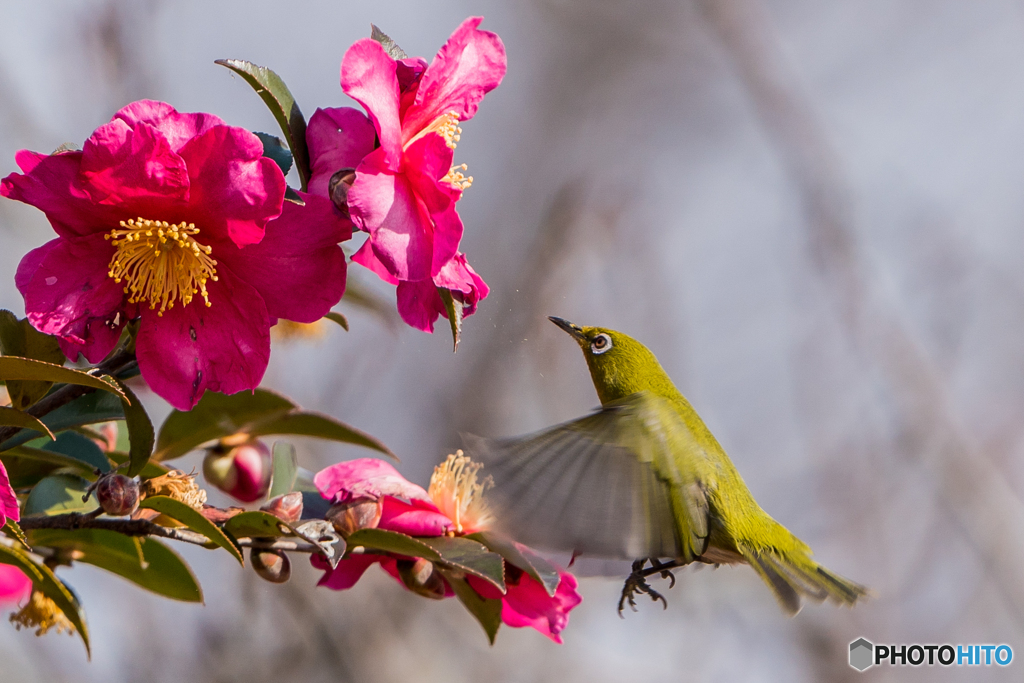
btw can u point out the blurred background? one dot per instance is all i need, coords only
(811, 212)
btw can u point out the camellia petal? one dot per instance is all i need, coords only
(526, 603)
(347, 573)
(235, 190)
(298, 268)
(468, 66)
(337, 138)
(177, 127)
(15, 586)
(369, 76)
(365, 478)
(123, 164)
(366, 257)
(190, 349)
(68, 293)
(8, 500)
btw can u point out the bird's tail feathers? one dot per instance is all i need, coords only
(791, 578)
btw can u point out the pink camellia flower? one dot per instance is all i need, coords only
(453, 505)
(404, 190)
(15, 587)
(8, 500)
(178, 220)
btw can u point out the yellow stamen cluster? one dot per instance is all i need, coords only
(456, 178)
(161, 262)
(42, 614)
(458, 494)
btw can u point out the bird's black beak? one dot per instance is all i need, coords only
(575, 330)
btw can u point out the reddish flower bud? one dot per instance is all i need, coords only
(338, 187)
(243, 471)
(272, 565)
(286, 507)
(117, 494)
(422, 578)
(354, 515)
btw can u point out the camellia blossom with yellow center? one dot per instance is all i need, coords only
(405, 188)
(453, 505)
(177, 220)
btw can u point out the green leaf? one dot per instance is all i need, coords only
(275, 94)
(81, 448)
(471, 557)
(140, 431)
(273, 148)
(149, 471)
(392, 542)
(84, 410)
(292, 196)
(9, 417)
(25, 368)
(194, 520)
(47, 583)
(146, 562)
(453, 309)
(535, 566)
(286, 468)
(25, 472)
(390, 46)
(487, 611)
(57, 494)
(216, 416)
(254, 524)
(338, 318)
(19, 338)
(319, 426)
(12, 530)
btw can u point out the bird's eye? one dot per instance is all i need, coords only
(601, 343)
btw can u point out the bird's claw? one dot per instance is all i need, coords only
(636, 582)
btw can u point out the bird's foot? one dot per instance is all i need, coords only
(636, 582)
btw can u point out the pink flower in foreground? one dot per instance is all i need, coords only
(452, 506)
(179, 220)
(404, 190)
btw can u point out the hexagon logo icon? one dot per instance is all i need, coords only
(862, 654)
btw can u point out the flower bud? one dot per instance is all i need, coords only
(338, 187)
(117, 494)
(244, 471)
(354, 515)
(422, 578)
(272, 565)
(286, 507)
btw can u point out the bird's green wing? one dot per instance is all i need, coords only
(629, 481)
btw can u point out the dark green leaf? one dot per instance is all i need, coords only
(82, 448)
(25, 368)
(19, 338)
(314, 505)
(273, 148)
(487, 611)
(89, 409)
(535, 566)
(471, 557)
(319, 426)
(216, 416)
(338, 318)
(275, 94)
(140, 431)
(292, 196)
(146, 561)
(47, 583)
(26, 472)
(254, 524)
(149, 471)
(392, 542)
(453, 309)
(194, 520)
(57, 494)
(9, 417)
(286, 467)
(12, 530)
(387, 43)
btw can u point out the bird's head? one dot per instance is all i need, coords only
(619, 364)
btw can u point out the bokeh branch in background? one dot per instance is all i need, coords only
(988, 511)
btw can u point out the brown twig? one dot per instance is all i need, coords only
(143, 527)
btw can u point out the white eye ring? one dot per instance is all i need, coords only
(601, 343)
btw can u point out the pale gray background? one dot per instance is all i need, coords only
(810, 211)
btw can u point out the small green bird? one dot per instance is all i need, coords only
(644, 479)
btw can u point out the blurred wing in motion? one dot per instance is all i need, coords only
(628, 481)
